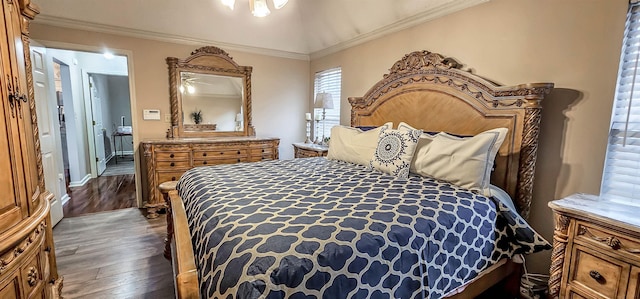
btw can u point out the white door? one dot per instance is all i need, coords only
(98, 129)
(49, 128)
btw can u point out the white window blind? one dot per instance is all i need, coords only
(621, 176)
(329, 81)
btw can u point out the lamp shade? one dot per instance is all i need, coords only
(324, 100)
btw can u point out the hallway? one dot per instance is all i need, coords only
(104, 193)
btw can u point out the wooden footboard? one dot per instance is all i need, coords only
(182, 259)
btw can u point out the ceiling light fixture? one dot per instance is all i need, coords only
(258, 8)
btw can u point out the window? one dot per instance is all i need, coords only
(621, 175)
(328, 81)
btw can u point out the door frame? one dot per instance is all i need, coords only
(132, 101)
(88, 110)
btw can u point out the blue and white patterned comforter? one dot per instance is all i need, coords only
(316, 228)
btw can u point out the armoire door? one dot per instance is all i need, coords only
(13, 198)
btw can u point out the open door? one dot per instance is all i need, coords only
(49, 131)
(98, 128)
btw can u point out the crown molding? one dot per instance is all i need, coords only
(163, 37)
(442, 10)
(447, 8)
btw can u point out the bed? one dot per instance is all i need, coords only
(325, 228)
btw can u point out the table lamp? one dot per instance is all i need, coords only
(324, 100)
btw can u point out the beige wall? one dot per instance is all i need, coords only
(572, 43)
(280, 85)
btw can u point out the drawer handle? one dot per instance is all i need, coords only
(173, 178)
(172, 164)
(238, 160)
(204, 163)
(221, 153)
(204, 154)
(263, 150)
(597, 276)
(32, 276)
(171, 156)
(238, 152)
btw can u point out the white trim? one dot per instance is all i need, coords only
(81, 182)
(447, 8)
(65, 199)
(429, 15)
(163, 37)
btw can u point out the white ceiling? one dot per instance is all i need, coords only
(302, 29)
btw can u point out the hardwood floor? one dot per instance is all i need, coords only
(117, 254)
(104, 193)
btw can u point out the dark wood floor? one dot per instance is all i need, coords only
(104, 193)
(117, 254)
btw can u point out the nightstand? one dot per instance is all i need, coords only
(596, 249)
(308, 150)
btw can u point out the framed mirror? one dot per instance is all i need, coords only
(210, 95)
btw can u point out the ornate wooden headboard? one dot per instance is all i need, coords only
(433, 93)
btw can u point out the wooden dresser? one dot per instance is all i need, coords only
(167, 159)
(308, 150)
(27, 259)
(596, 249)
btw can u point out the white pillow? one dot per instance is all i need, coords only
(395, 150)
(354, 145)
(466, 162)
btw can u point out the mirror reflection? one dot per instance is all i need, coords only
(211, 102)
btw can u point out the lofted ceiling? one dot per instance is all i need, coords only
(301, 29)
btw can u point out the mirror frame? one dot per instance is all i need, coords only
(214, 61)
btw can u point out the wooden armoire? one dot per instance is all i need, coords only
(27, 259)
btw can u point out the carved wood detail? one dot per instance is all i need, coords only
(425, 66)
(560, 239)
(528, 157)
(7, 259)
(207, 60)
(611, 241)
(32, 276)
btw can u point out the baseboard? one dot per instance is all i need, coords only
(81, 182)
(65, 198)
(124, 153)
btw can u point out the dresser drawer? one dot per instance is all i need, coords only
(219, 152)
(172, 156)
(258, 158)
(261, 151)
(220, 160)
(598, 273)
(170, 165)
(607, 240)
(169, 176)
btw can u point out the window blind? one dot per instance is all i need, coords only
(329, 81)
(621, 175)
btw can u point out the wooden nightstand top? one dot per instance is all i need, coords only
(311, 147)
(590, 206)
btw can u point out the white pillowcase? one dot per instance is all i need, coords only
(466, 162)
(354, 145)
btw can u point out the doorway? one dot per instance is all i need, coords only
(91, 97)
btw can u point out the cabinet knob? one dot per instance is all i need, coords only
(263, 150)
(238, 152)
(204, 154)
(238, 160)
(597, 276)
(173, 178)
(171, 156)
(172, 164)
(221, 153)
(204, 163)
